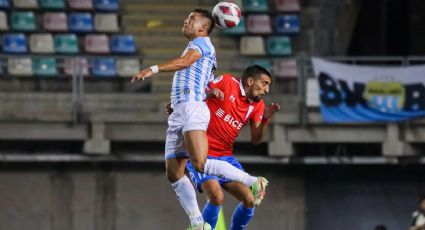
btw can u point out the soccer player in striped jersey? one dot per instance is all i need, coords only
(187, 125)
(242, 104)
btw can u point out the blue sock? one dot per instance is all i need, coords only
(241, 217)
(210, 214)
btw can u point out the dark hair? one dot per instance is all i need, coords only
(254, 71)
(206, 14)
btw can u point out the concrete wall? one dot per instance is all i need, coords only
(133, 198)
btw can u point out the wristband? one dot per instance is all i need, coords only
(154, 68)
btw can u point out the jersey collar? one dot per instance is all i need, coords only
(243, 92)
(241, 88)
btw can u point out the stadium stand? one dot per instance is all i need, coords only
(59, 27)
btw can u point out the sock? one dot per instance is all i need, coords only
(210, 214)
(187, 197)
(241, 217)
(225, 170)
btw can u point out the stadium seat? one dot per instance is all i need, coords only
(266, 64)
(66, 44)
(81, 4)
(103, 67)
(22, 21)
(123, 44)
(288, 5)
(252, 45)
(55, 22)
(52, 4)
(71, 66)
(4, 4)
(96, 44)
(41, 43)
(285, 68)
(3, 21)
(240, 29)
(106, 5)
(14, 43)
(258, 24)
(287, 24)
(127, 67)
(19, 66)
(80, 22)
(44, 67)
(255, 5)
(106, 23)
(279, 45)
(25, 4)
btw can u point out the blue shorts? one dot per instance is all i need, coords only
(199, 178)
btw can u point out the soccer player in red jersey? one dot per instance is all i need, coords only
(242, 103)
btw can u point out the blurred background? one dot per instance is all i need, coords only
(82, 148)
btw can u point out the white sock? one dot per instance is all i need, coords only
(187, 197)
(225, 170)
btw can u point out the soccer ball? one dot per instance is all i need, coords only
(226, 15)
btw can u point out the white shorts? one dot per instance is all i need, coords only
(186, 116)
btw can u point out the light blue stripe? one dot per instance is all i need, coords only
(199, 74)
(186, 83)
(177, 89)
(206, 79)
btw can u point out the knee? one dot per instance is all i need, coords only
(173, 176)
(198, 165)
(216, 198)
(248, 201)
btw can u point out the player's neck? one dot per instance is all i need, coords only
(197, 36)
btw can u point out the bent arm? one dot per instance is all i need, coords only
(258, 130)
(190, 57)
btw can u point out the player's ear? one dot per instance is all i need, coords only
(250, 81)
(204, 27)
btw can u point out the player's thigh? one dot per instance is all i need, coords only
(196, 142)
(240, 191)
(175, 168)
(213, 191)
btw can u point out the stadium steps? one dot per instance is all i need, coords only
(58, 106)
(158, 34)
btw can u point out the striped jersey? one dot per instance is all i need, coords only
(189, 84)
(228, 116)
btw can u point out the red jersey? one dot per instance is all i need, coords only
(229, 115)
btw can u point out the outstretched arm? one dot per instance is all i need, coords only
(190, 57)
(258, 129)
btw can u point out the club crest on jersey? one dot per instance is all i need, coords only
(232, 98)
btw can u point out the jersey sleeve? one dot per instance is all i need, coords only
(220, 82)
(259, 112)
(201, 46)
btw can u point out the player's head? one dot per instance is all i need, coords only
(198, 23)
(256, 81)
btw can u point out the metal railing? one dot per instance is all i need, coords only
(304, 65)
